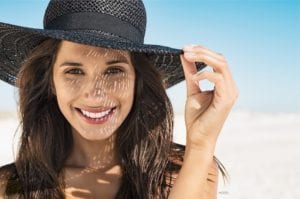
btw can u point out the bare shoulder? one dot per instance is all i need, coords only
(5, 172)
(2, 189)
(3, 181)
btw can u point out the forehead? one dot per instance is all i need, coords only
(70, 49)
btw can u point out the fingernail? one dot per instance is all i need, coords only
(190, 55)
(189, 47)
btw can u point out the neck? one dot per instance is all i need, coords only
(93, 154)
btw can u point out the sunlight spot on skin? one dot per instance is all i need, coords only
(77, 193)
(195, 103)
(3, 178)
(104, 82)
(104, 52)
(101, 181)
(99, 162)
(71, 189)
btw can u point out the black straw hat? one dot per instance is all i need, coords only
(118, 24)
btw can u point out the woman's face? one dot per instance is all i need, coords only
(94, 88)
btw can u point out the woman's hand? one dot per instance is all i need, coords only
(205, 112)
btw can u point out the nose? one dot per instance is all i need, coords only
(95, 88)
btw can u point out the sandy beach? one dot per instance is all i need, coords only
(261, 154)
(259, 150)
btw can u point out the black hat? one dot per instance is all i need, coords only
(117, 24)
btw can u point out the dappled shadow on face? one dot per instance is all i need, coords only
(103, 72)
(94, 80)
(97, 79)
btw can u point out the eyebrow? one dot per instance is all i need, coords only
(67, 63)
(78, 64)
(119, 58)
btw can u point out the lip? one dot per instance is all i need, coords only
(96, 110)
(101, 120)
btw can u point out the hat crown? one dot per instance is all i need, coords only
(129, 11)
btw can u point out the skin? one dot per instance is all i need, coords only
(205, 114)
(83, 79)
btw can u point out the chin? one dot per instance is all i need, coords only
(97, 137)
(97, 134)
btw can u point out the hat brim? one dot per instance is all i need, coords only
(16, 42)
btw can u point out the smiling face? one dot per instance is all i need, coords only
(94, 88)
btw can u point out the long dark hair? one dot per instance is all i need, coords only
(145, 145)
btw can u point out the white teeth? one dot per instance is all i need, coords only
(95, 115)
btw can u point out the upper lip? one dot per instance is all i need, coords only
(96, 110)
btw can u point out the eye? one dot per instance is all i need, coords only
(113, 70)
(75, 71)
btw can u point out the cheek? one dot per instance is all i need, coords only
(126, 95)
(66, 90)
(123, 87)
(72, 85)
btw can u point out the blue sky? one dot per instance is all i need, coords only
(260, 40)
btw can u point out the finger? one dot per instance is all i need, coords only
(189, 70)
(204, 50)
(198, 54)
(213, 77)
(217, 65)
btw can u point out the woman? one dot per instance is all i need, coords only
(96, 120)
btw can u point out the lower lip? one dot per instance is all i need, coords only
(98, 120)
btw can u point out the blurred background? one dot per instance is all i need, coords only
(259, 144)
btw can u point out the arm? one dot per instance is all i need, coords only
(199, 174)
(205, 114)
(211, 189)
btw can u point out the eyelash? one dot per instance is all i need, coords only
(113, 70)
(75, 71)
(109, 71)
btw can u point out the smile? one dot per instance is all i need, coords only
(94, 116)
